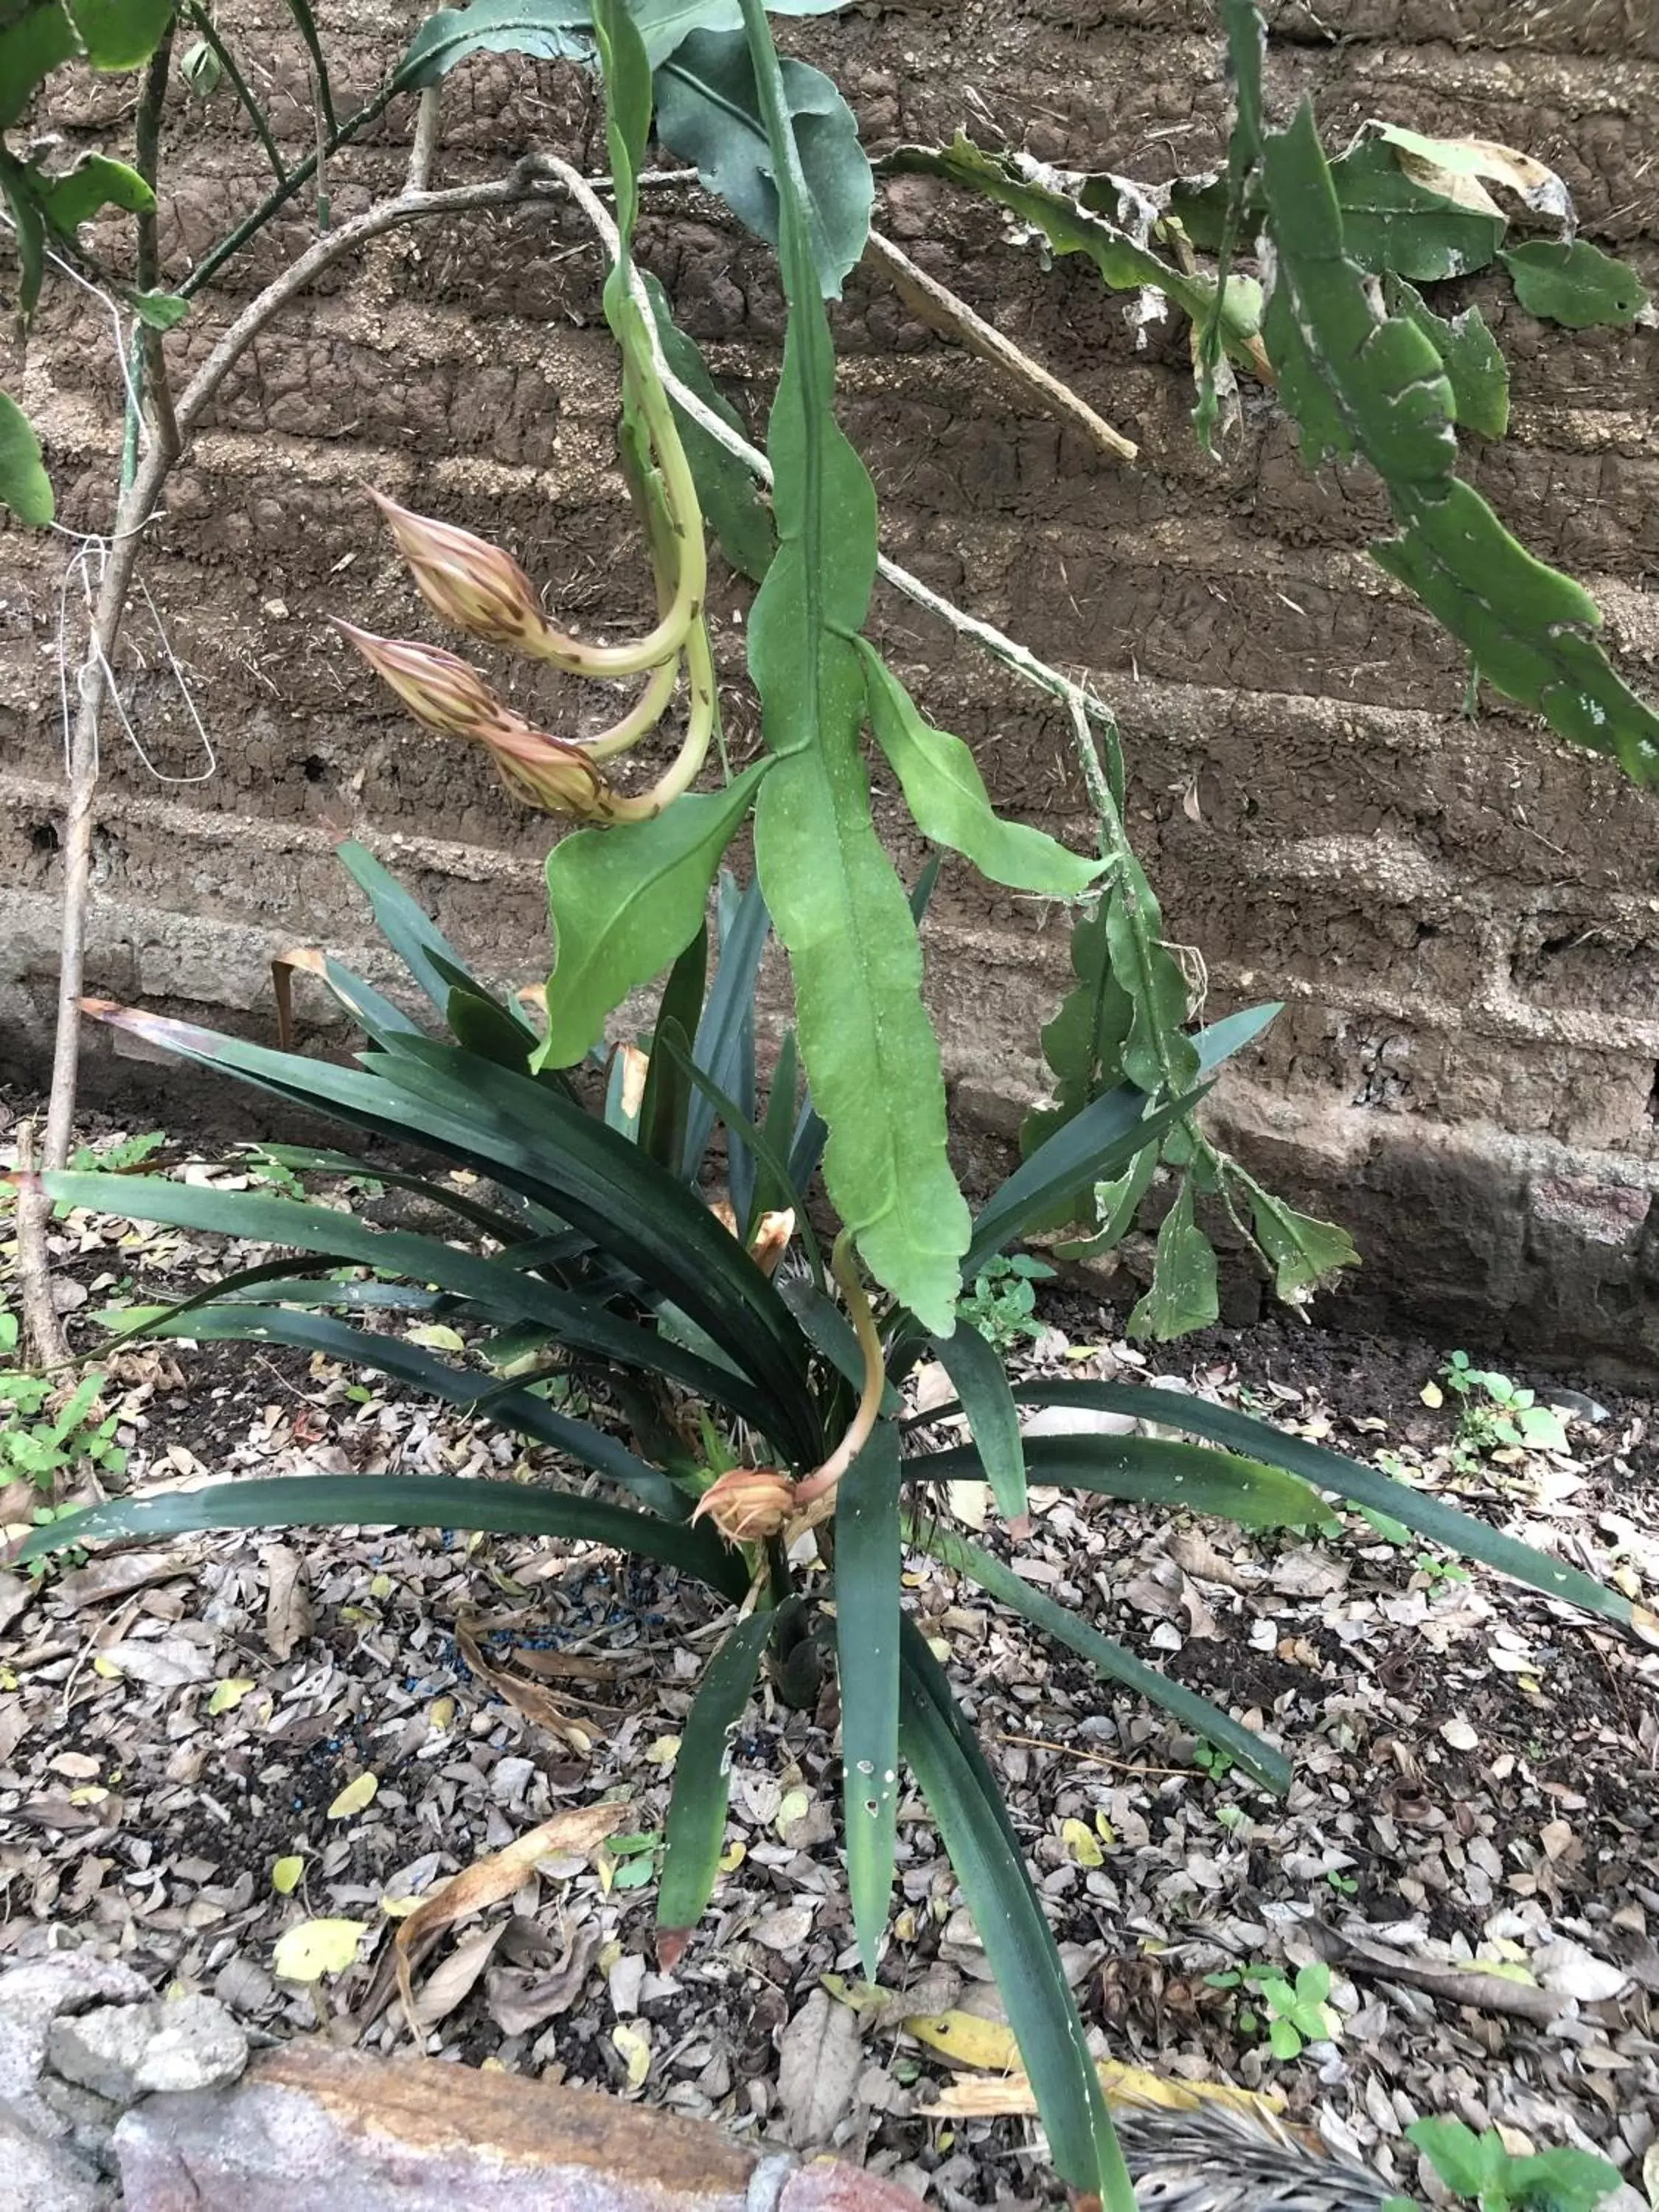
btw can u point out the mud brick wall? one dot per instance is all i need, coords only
(1463, 915)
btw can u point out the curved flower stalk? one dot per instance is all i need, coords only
(476, 587)
(748, 1505)
(482, 590)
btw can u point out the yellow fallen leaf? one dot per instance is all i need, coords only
(1433, 1396)
(285, 1876)
(381, 1586)
(664, 1750)
(399, 1908)
(634, 2045)
(1125, 2088)
(107, 1668)
(1081, 1844)
(316, 1948)
(354, 1797)
(441, 1712)
(793, 1805)
(226, 1696)
(967, 2040)
(732, 1857)
(437, 1336)
(89, 1793)
(1106, 1831)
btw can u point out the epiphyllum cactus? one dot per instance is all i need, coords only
(481, 590)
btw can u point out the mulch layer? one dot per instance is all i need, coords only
(1477, 1771)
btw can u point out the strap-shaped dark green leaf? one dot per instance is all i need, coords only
(723, 1046)
(496, 1287)
(695, 1828)
(403, 1501)
(973, 1825)
(831, 1335)
(744, 1140)
(407, 927)
(976, 1368)
(599, 1183)
(1344, 1478)
(836, 901)
(518, 1410)
(1190, 1477)
(867, 1567)
(1270, 1767)
(532, 1141)
(1094, 1145)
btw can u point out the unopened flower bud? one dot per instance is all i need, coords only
(466, 581)
(441, 690)
(748, 1505)
(438, 687)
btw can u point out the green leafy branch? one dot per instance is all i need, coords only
(1385, 378)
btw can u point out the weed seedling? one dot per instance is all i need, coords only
(1494, 1415)
(1002, 1304)
(1478, 2168)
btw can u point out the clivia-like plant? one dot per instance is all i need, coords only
(745, 1392)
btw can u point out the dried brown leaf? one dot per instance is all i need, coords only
(287, 1604)
(819, 2063)
(579, 1830)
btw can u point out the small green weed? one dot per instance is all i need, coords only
(37, 1446)
(115, 1159)
(1002, 1304)
(1494, 1415)
(635, 1859)
(1478, 2166)
(1293, 2013)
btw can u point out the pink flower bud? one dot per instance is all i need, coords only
(438, 687)
(748, 1504)
(467, 582)
(440, 691)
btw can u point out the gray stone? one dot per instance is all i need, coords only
(88, 2119)
(32, 1997)
(124, 2052)
(36, 2176)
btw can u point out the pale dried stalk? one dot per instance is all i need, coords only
(936, 305)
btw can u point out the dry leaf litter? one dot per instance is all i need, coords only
(237, 1764)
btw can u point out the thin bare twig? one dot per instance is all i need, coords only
(939, 307)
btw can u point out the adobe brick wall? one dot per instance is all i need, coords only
(1463, 916)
